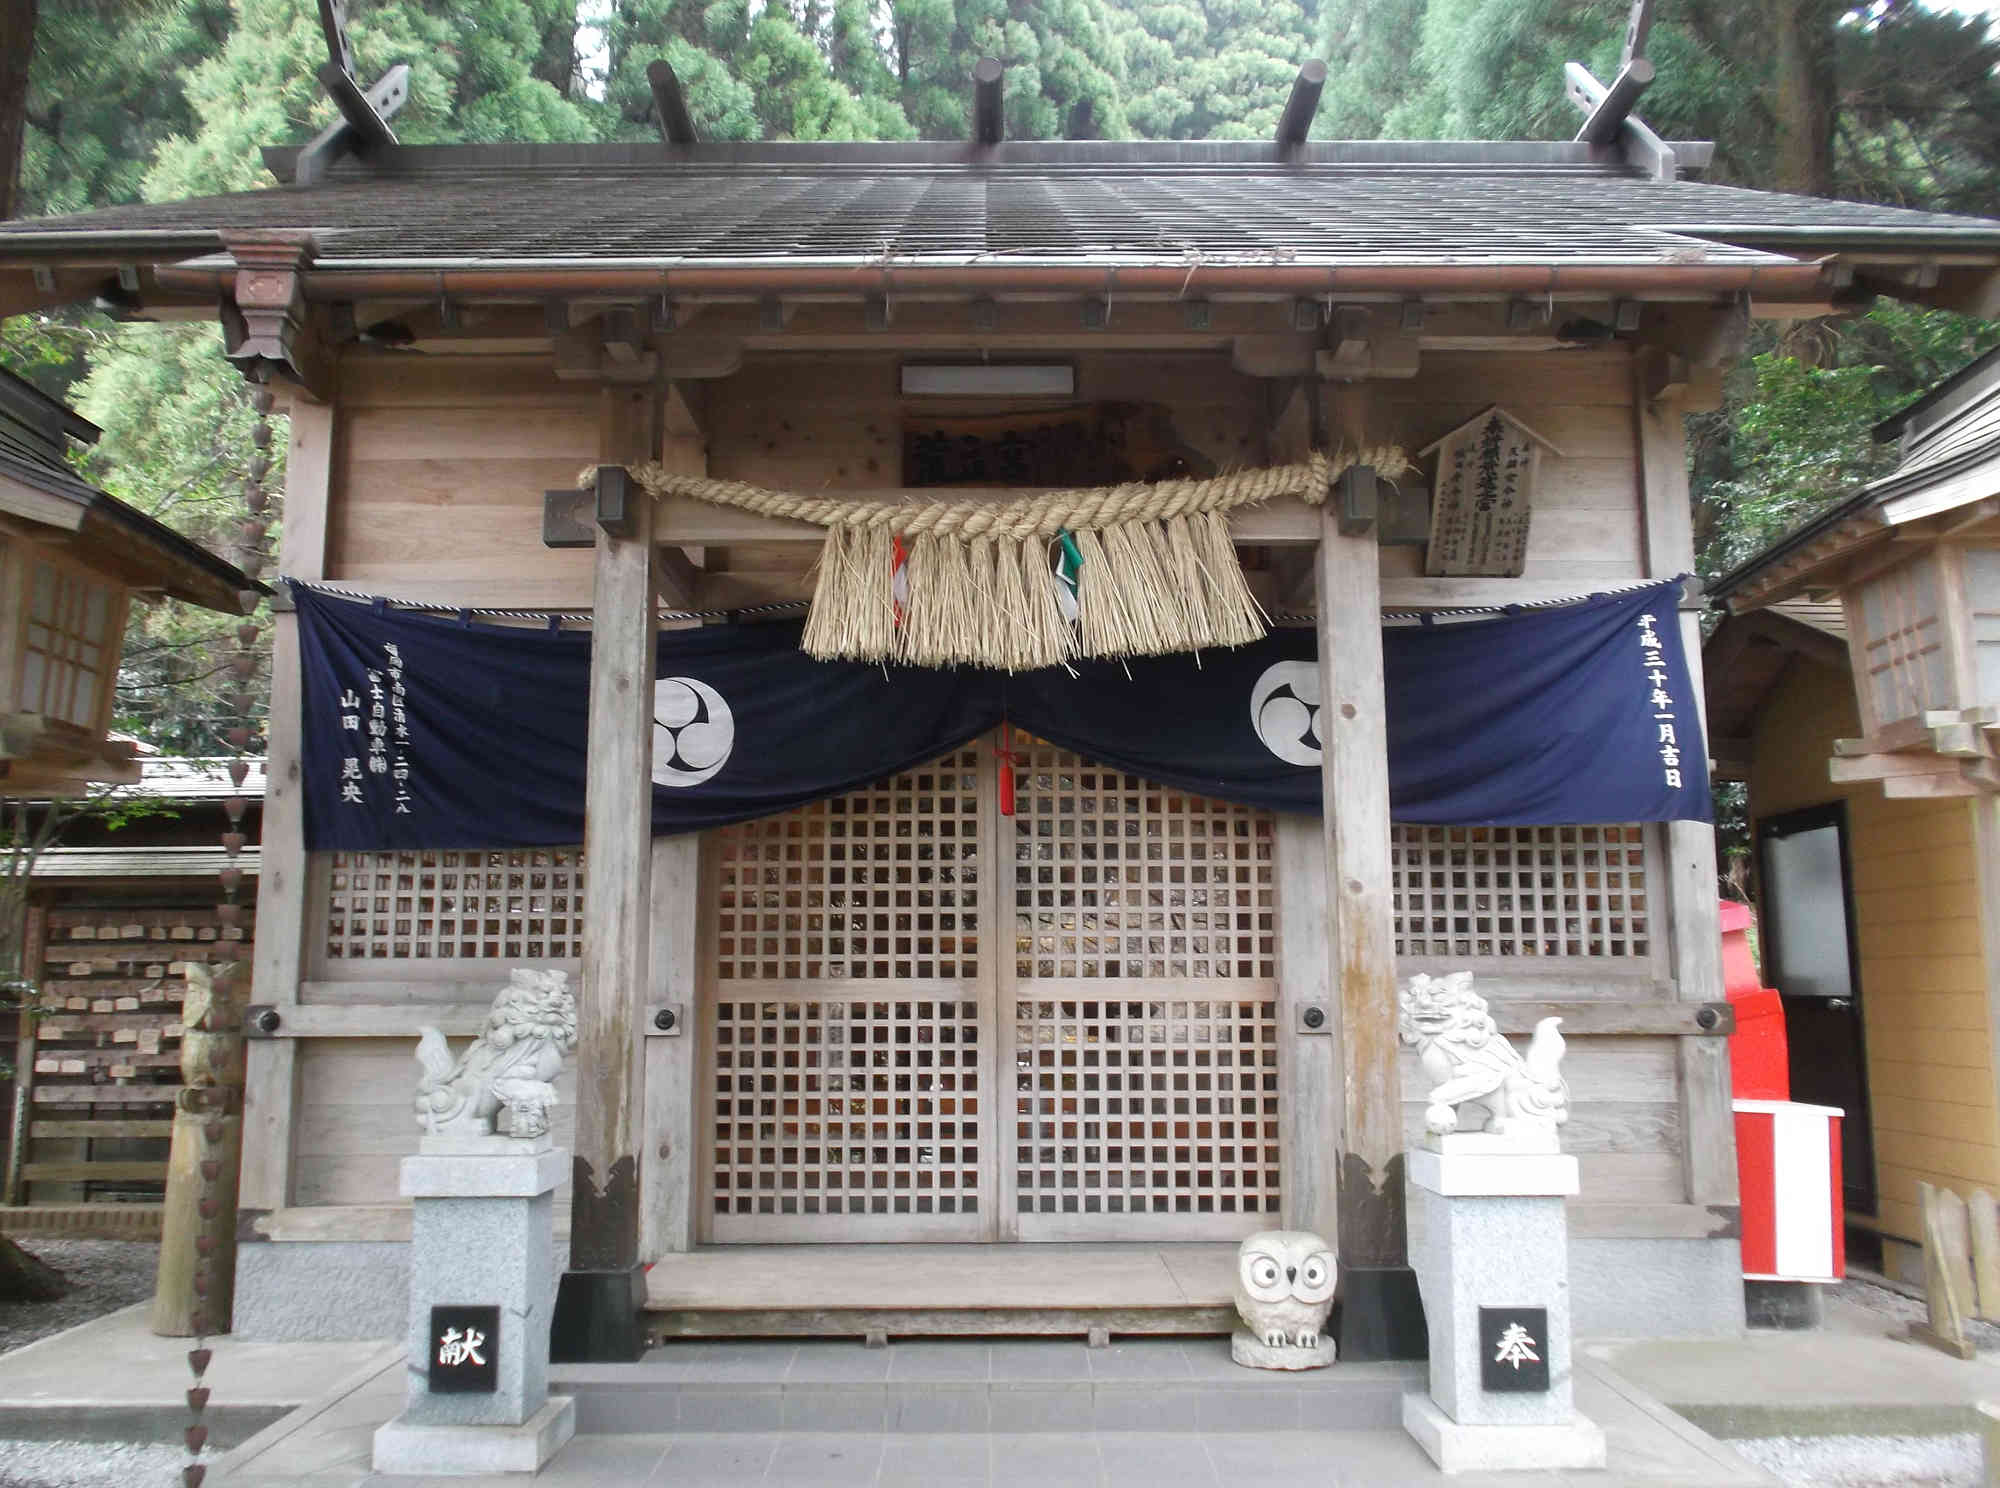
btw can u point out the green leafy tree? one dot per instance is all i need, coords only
(1794, 437)
(1212, 69)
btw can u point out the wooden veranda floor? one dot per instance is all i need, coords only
(919, 1290)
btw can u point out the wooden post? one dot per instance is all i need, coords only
(667, 1145)
(1308, 1070)
(1381, 1315)
(197, 1268)
(597, 1307)
(34, 942)
(1707, 1110)
(284, 917)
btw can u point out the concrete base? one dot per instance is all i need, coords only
(468, 1451)
(1782, 1304)
(1655, 1288)
(1253, 1353)
(1456, 1448)
(290, 1291)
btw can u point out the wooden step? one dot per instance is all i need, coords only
(915, 1291)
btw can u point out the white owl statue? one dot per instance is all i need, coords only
(1285, 1282)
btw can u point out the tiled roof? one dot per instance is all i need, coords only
(1125, 204)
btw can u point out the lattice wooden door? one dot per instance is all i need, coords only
(1142, 1046)
(848, 1016)
(861, 1025)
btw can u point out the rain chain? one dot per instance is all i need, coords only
(211, 1092)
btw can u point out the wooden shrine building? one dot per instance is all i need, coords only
(458, 331)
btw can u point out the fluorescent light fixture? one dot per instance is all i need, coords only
(989, 380)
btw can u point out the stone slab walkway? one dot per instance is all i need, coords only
(326, 1445)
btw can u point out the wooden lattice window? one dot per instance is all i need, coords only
(879, 883)
(515, 904)
(1163, 1106)
(1115, 876)
(1905, 656)
(1521, 891)
(861, 1107)
(71, 647)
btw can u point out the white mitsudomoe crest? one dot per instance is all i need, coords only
(693, 731)
(1284, 709)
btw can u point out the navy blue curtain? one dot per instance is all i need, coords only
(429, 732)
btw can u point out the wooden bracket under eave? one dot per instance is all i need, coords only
(1939, 752)
(266, 328)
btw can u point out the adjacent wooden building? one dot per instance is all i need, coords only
(460, 330)
(1851, 687)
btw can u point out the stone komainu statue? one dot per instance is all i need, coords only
(512, 1065)
(1466, 1059)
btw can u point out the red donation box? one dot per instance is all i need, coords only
(1788, 1163)
(1787, 1154)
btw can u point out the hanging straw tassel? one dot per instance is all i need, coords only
(1014, 641)
(942, 625)
(1104, 623)
(1232, 609)
(1184, 572)
(853, 617)
(1052, 638)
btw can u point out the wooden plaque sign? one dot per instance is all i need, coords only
(1483, 496)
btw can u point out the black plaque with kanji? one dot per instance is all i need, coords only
(1514, 1349)
(465, 1350)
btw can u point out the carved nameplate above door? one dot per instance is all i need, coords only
(1087, 445)
(1483, 496)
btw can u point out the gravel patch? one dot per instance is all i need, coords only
(1868, 1461)
(1906, 1309)
(25, 1464)
(103, 1276)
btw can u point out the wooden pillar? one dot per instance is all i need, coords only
(196, 1276)
(1708, 1153)
(1307, 1067)
(1381, 1314)
(284, 915)
(597, 1311)
(667, 1142)
(34, 943)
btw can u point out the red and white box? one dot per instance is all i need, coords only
(1788, 1160)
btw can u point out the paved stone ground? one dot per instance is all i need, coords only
(104, 1275)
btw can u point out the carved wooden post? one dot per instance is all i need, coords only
(597, 1308)
(1381, 1315)
(197, 1271)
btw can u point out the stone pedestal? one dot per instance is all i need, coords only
(482, 1236)
(1496, 1241)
